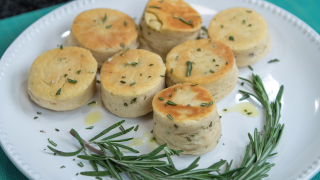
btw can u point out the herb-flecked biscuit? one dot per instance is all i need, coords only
(63, 78)
(245, 31)
(104, 32)
(186, 117)
(205, 62)
(129, 80)
(165, 24)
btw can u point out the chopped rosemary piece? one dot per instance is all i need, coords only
(242, 83)
(80, 164)
(188, 138)
(163, 75)
(132, 63)
(248, 11)
(62, 167)
(189, 68)
(122, 45)
(79, 71)
(204, 29)
(65, 75)
(203, 104)
(226, 63)
(175, 89)
(136, 128)
(243, 21)
(225, 109)
(157, 7)
(61, 46)
(274, 60)
(123, 82)
(250, 25)
(58, 92)
(133, 100)
(175, 125)
(250, 68)
(125, 104)
(170, 117)
(53, 143)
(98, 81)
(249, 113)
(221, 25)
(90, 127)
(231, 38)
(211, 71)
(125, 23)
(170, 95)
(194, 84)
(198, 49)
(72, 81)
(171, 103)
(124, 52)
(213, 60)
(210, 103)
(132, 84)
(36, 117)
(210, 125)
(217, 64)
(151, 65)
(161, 98)
(123, 76)
(38, 112)
(171, 71)
(109, 26)
(186, 22)
(57, 129)
(105, 18)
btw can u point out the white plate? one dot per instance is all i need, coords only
(294, 43)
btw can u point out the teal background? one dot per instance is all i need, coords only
(10, 28)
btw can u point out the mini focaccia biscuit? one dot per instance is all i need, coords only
(212, 66)
(63, 78)
(245, 31)
(104, 32)
(129, 80)
(186, 118)
(167, 23)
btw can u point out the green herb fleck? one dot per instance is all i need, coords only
(186, 22)
(250, 68)
(72, 81)
(38, 112)
(210, 103)
(91, 72)
(170, 117)
(175, 89)
(161, 98)
(109, 26)
(125, 23)
(250, 25)
(90, 127)
(61, 46)
(249, 113)
(210, 125)
(231, 38)
(151, 65)
(217, 64)
(203, 104)
(225, 109)
(123, 76)
(136, 128)
(211, 71)
(274, 60)
(125, 104)
(133, 63)
(36, 117)
(226, 63)
(242, 83)
(123, 82)
(243, 21)
(105, 18)
(221, 26)
(189, 68)
(175, 126)
(80, 164)
(157, 7)
(53, 143)
(171, 103)
(58, 92)
(248, 11)
(194, 84)
(62, 167)
(213, 60)
(163, 75)
(124, 52)
(133, 100)
(122, 45)
(132, 84)
(188, 138)
(170, 95)
(198, 49)
(79, 71)
(220, 117)
(65, 75)
(57, 129)
(171, 71)
(98, 81)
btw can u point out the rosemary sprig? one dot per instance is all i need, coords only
(185, 21)
(124, 52)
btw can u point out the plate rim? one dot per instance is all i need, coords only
(58, 13)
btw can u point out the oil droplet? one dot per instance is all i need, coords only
(146, 134)
(94, 104)
(152, 143)
(136, 142)
(93, 118)
(246, 109)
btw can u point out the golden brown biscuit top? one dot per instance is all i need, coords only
(210, 61)
(171, 14)
(132, 72)
(192, 102)
(102, 30)
(240, 28)
(54, 69)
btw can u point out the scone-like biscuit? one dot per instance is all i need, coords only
(213, 66)
(104, 32)
(245, 31)
(165, 24)
(129, 80)
(63, 79)
(185, 117)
